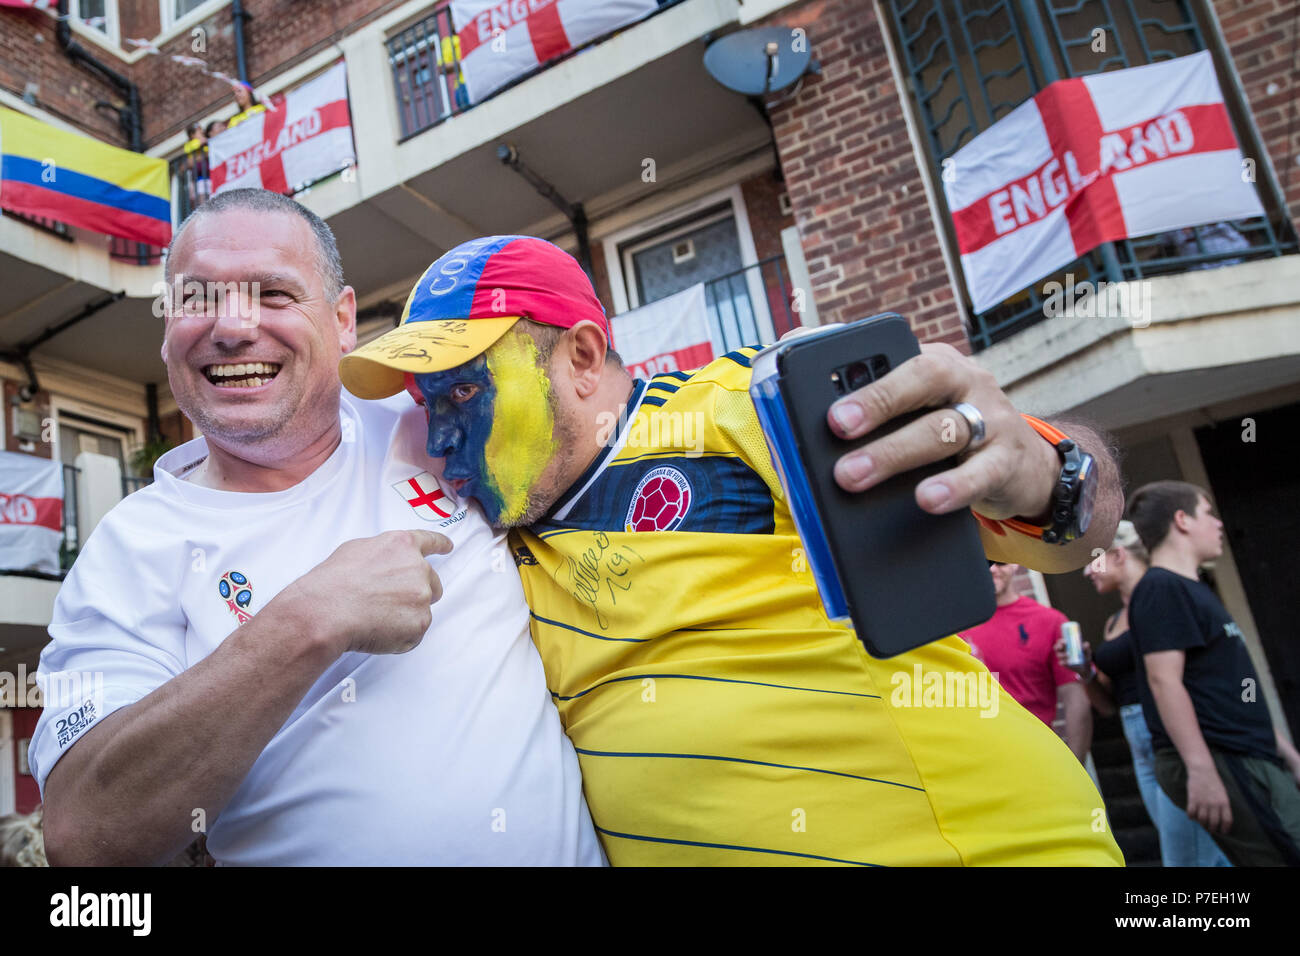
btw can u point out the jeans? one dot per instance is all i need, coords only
(1183, 841)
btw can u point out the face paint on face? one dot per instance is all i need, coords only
(492, 420)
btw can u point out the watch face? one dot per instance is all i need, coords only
(1087, 494)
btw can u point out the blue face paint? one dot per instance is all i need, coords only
(459, 430)
(492, 420)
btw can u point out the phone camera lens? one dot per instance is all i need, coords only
(857, 376)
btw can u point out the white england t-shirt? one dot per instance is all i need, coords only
(450, 754)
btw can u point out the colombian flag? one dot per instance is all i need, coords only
(81, 181)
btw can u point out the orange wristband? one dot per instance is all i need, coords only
(1000, 527)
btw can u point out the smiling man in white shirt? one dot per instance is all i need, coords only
(296, 641)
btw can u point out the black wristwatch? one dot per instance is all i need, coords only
(1076, 487)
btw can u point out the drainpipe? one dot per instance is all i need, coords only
(154, 430)
(238, 15)
(128, 117)
(577, 216)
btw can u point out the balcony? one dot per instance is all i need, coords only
(1202, 338)
(1190, 250)
(90, 488)
(427, 79)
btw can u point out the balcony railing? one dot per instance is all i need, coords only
(124, 250)
(136, 253)
(732, 310)
(193, 185)
(425, 59)
(71, 540)
(1204, 247)
(72, 536)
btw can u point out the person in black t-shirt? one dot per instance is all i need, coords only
(1112, 682)
(1217, 752)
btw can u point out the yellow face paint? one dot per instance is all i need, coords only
(522, 442)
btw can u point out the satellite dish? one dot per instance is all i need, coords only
(760, 61)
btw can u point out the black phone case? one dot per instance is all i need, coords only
(909, 577)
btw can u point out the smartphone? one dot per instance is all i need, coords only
(899, 576)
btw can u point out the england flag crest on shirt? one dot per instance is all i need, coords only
(423, 494)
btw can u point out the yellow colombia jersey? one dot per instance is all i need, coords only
(720, 718)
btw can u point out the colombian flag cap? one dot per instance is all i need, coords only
(467, 300)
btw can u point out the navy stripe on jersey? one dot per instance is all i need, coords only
(653, 400)
(657, 455)
(727, 846)
(740, 356)
(757, 763)
(682, 376)
(578, 630)
(726, 497)
(663, 386)
(720, 680)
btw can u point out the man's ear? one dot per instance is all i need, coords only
(586, 354)
(345, 315)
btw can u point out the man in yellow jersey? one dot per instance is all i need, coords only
(719, 717)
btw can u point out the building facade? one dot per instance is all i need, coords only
(821, 201)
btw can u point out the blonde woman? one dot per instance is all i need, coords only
(1112, 683)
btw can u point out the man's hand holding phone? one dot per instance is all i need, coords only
(1010, 473)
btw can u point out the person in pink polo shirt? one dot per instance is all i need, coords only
(1016, 645)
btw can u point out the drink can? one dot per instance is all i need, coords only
(1073, 635)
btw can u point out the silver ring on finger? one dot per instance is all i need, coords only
(976, 422)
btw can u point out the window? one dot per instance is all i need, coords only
(99, 15)
(968, 63)
(705, 241)
(94, 430)
(425, 58)
(704, 248)
(174, 11)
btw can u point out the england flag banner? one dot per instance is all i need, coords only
(502, 41)
(303, 136)
(670, 335)
(31, 512)
(1091, 160)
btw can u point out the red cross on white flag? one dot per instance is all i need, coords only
(504, 40)
(1090, 160)
(306, 137)
(423, 494)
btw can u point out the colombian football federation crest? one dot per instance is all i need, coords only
(423, 494)
(660, 502)
(237, 591)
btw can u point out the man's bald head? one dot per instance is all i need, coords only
(328, 263)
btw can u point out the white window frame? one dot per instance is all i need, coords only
(115, 423)
(197, 15)
(623, 291)
(112, 31)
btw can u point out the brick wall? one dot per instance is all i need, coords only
(762, 198)
(1261, 39)
(280, 34)
(30, 53)
(867, 232)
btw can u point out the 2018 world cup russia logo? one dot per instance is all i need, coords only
(237, 591)
(660, 502)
